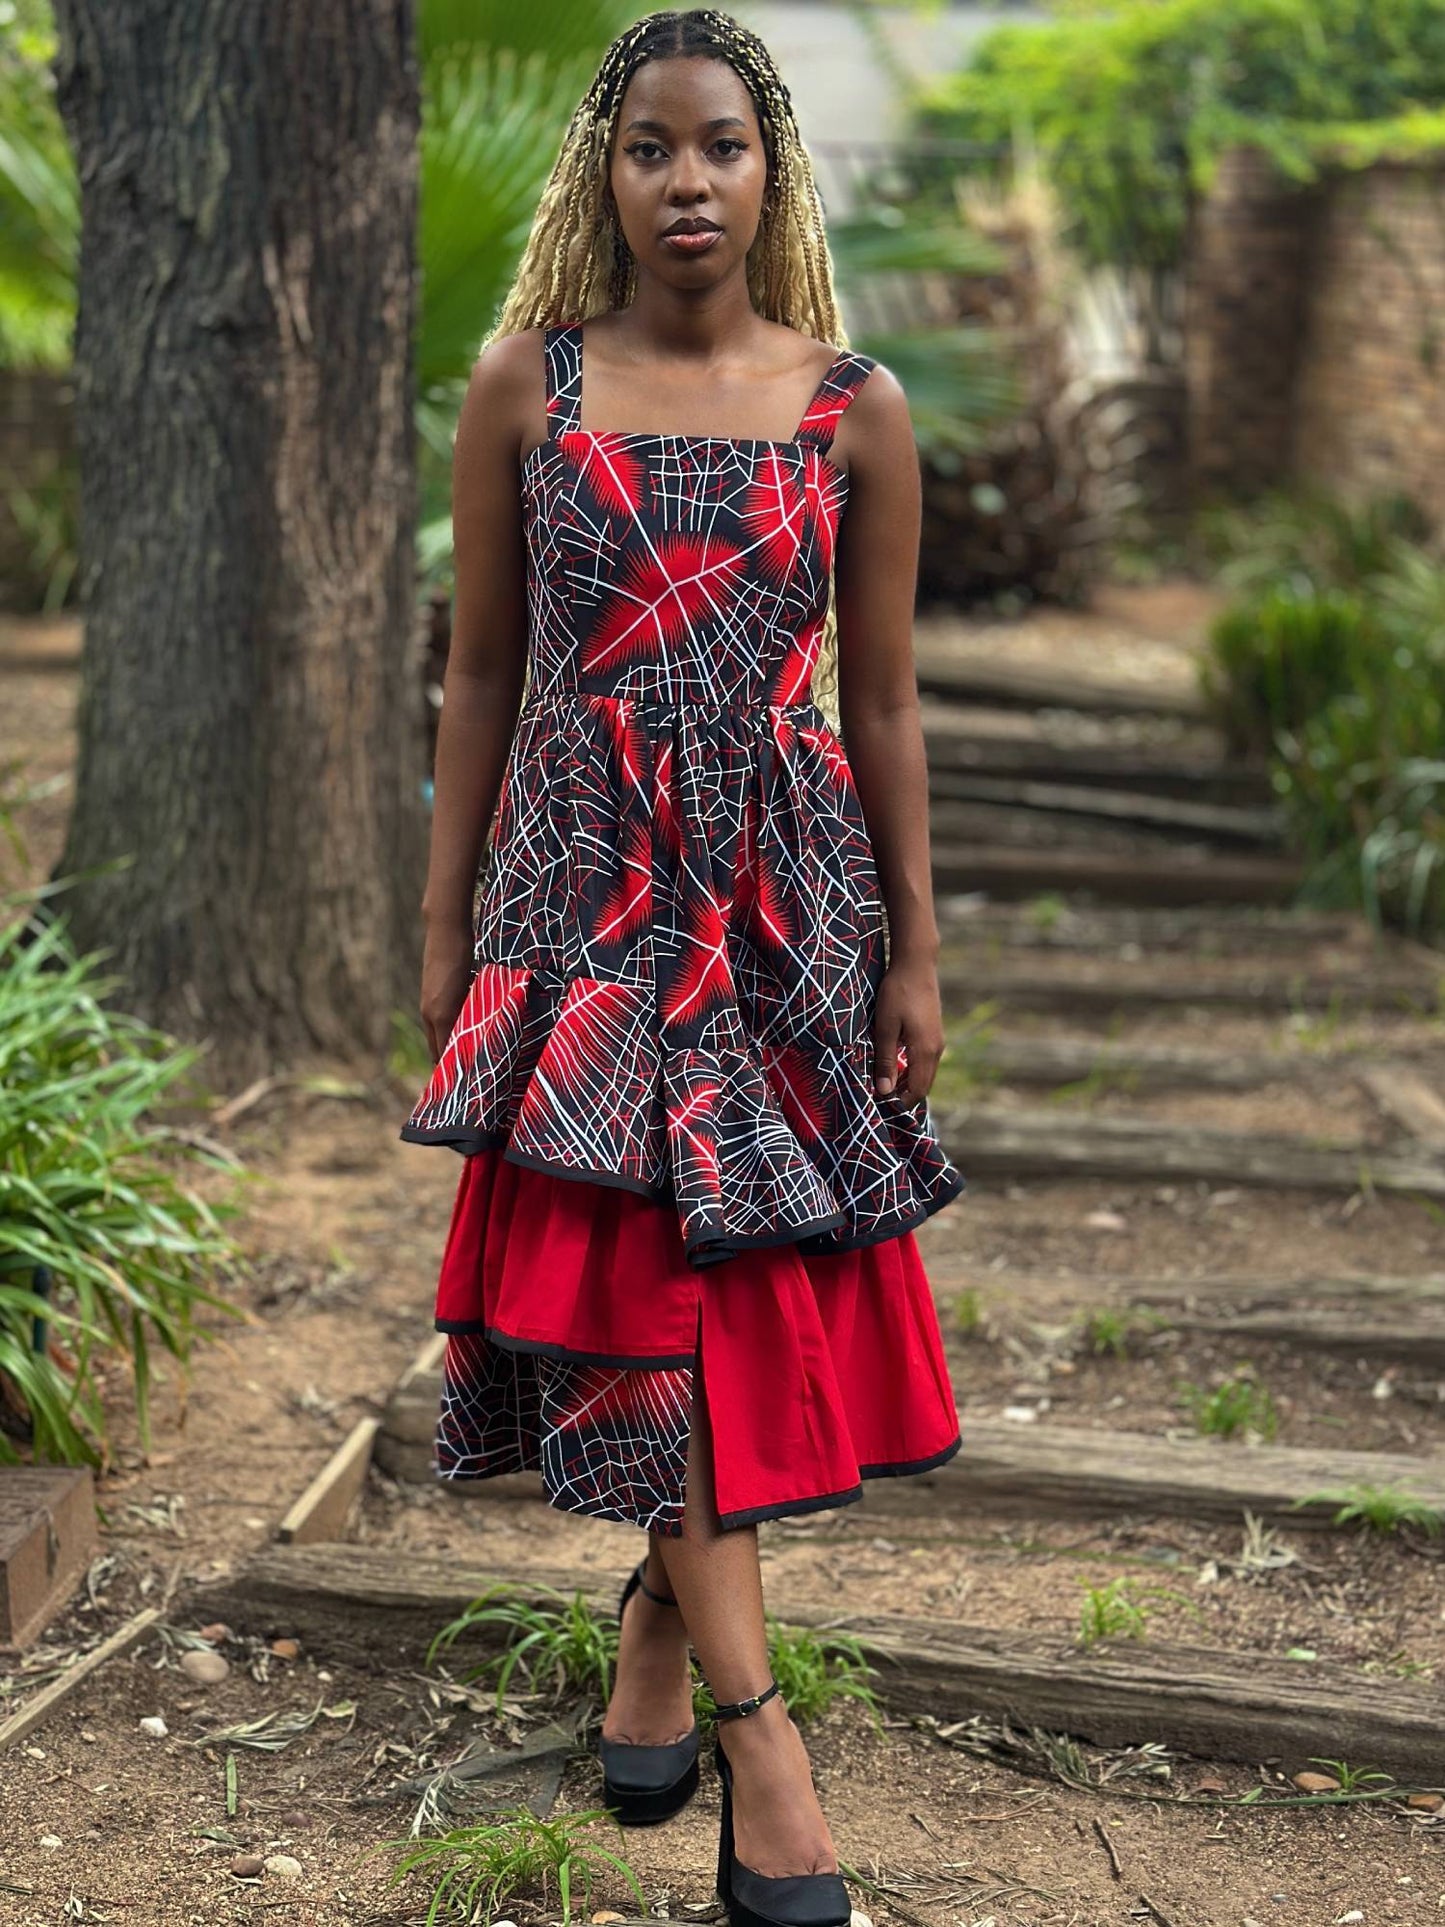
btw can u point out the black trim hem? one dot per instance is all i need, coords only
(544, 1348)
(707, 1249)
(833, 1501)
(611, 1180)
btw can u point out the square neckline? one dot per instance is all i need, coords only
(557, 436)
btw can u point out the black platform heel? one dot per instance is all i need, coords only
(762, 1900)
(642, 1785)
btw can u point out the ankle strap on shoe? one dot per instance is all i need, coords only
(658, 1598)
(740, 1709)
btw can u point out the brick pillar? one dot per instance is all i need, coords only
(1245, 276)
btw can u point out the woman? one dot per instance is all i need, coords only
(681, 1276)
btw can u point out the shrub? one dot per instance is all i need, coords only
(91, 1197)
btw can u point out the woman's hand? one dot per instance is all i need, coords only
(446, 977)
(908, 1012)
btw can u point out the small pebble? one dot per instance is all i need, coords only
(205, 1669)
(1425, 1802)
(283, 1866)
(1316, 1782)
(36, 1752)
(248, 1866)
(286, 1648)
(1106, 1221)
(91, 1739)
(50, 1840)
(859, 1920)
(154, 1727)
(604, 1919)
(215, 1632)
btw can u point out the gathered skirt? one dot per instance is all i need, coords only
(579, 1335)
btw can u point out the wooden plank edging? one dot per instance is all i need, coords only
(985, 1139)
(360, 1601)
(34, 1711)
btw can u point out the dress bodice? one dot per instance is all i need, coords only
(680, 568)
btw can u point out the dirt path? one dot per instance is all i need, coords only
(344, 1223)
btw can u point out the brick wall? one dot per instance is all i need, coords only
(1370, 391)
(1315, 332)
(1246, 280)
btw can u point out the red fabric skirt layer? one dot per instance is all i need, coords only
(818, 1371)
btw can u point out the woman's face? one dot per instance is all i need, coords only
(688, 170)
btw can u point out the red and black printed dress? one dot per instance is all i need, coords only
(661, 1079)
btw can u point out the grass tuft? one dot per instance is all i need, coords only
(478, 1869)
(1113, 1329)
(1381, 1509)
(1240, 1404)
(561, 1649)
(1119, 1610)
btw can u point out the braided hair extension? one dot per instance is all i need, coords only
(577, 263)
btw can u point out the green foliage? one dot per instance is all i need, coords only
(967, 1313)
(1381, 1508)
(478, 1869)
(1277, 659)
(1333, 661)
(1131, 104)
(562, 1648)
(1239, 1404)
(966, 1066)
(39, 201)
(1113, 1330)
(1047, 911)
(1307, 538)
(1352, 1778)
(1115, 1611)
(1098, 1082)
(1121, 1610)
(815, 1669)
(91, 1189)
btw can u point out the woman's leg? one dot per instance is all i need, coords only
(651, 1703)
(777, 1823)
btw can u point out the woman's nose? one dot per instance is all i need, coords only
(688, 180)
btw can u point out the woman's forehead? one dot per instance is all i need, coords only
(685, 94)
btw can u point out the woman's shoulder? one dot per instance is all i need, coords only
(509, 358)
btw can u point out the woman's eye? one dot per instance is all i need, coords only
(644, 150)
(733, 146)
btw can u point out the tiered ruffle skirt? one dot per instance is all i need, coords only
(581, 1330)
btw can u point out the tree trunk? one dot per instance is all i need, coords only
(251, 725)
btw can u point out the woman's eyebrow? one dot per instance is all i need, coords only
(660, 127)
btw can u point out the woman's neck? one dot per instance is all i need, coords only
(701, 326)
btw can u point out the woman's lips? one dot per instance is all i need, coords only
(697, 243)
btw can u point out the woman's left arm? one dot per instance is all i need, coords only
(876, 586)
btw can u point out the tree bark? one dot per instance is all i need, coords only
(251, 730)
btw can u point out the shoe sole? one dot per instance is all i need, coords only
(634, 1808)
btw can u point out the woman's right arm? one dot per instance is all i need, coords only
(482, 690)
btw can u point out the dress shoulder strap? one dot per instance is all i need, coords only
(842, 379)
(563, 355)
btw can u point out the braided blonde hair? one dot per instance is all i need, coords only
(576, 262)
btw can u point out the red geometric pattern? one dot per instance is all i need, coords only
(681, 934)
